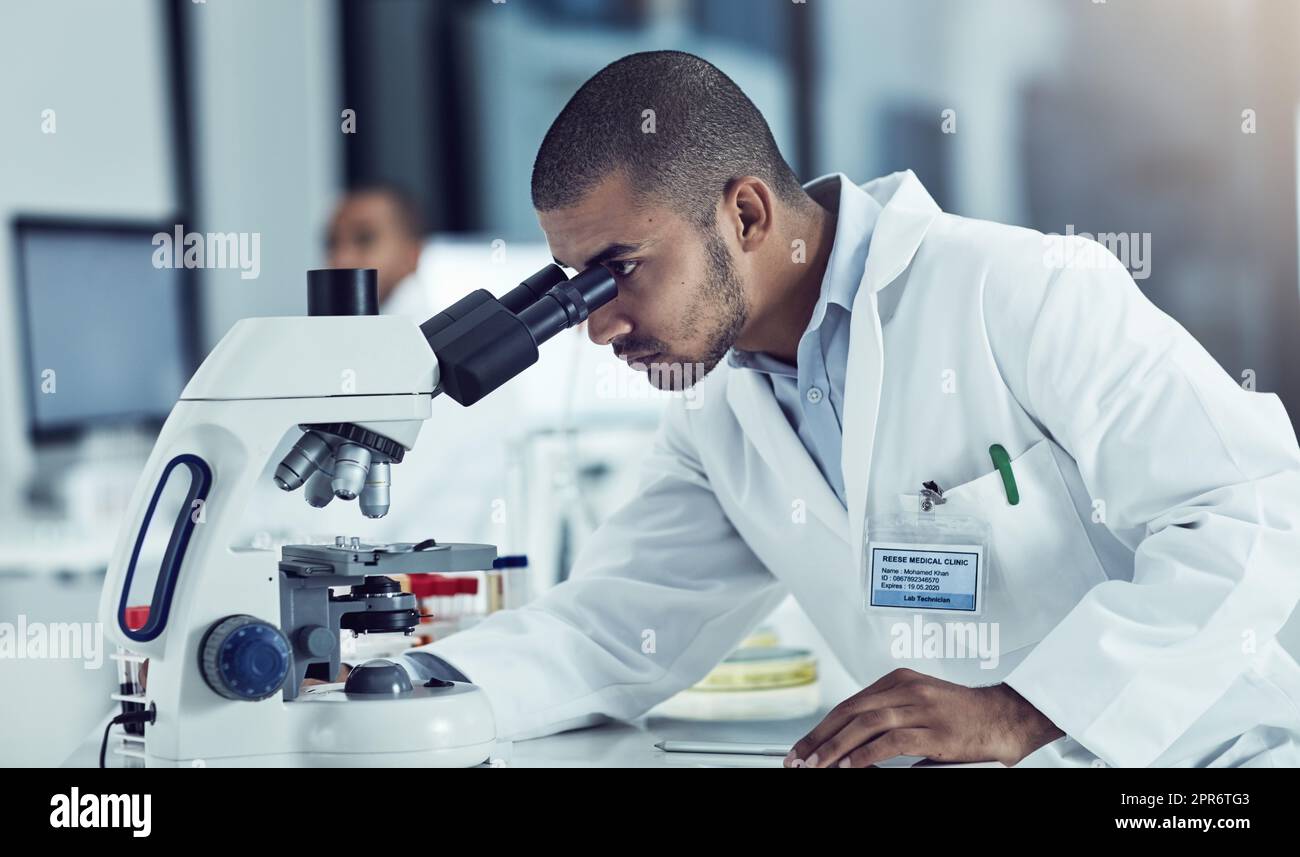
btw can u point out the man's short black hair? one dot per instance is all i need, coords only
(703, 133)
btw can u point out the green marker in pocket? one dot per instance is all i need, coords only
(1002, 462)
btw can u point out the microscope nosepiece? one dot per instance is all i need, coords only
(351, 464)
(307, 455)
(374, 496)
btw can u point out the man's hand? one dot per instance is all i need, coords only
(907, 713)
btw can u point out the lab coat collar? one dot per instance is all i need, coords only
(906, 215)
(910, 210)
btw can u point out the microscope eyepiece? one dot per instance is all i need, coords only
(343, 291)
(531, 290)
(569, 303)
(482, 342)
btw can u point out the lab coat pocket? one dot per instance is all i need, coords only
(1041, 561)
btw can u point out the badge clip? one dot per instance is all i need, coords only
(931, 495)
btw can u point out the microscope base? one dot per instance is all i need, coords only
(441, 727)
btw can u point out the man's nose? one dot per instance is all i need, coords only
(607, 323)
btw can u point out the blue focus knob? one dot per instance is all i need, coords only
(244, 658)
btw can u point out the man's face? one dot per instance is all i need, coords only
(681, 302)
(367, 231)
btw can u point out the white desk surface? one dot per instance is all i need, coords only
(613, 745)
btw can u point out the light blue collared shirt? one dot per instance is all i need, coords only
(811, 394)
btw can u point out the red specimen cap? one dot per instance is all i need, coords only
(422, 585)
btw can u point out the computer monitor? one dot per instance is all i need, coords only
(108, 337)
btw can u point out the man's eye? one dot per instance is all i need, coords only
(622, 269)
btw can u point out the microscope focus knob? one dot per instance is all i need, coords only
(244, 658)
(316, 640)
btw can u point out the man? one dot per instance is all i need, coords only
(1133, 510)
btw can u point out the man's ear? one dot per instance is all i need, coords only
(748, 212)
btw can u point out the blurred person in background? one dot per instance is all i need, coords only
(379, 226)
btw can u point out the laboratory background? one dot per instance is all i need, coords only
(1166, 128)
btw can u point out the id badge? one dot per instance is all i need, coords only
(927, 560)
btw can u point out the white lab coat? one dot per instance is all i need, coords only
(1138, 585)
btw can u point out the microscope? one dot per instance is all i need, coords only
(327, 404)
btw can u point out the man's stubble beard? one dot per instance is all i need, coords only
(722, 301)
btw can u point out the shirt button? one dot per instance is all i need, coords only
(814, 394)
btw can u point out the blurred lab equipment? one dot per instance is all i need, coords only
(106, 344)
(106, 330)
(760, 680)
